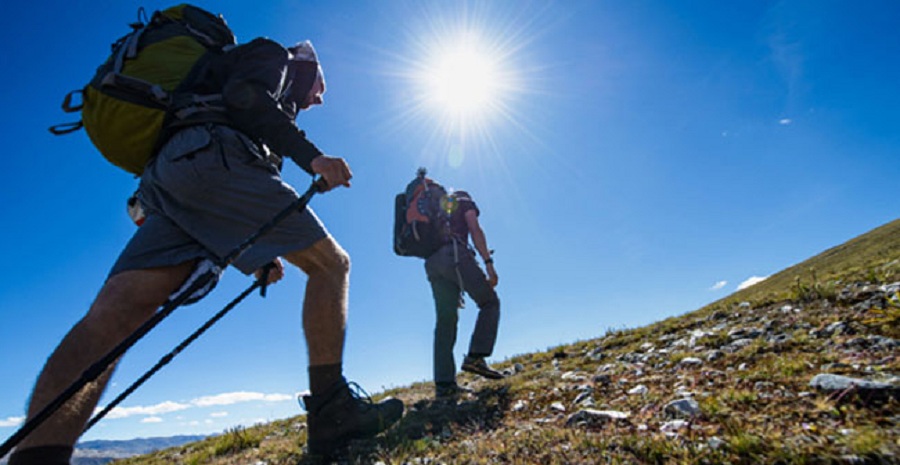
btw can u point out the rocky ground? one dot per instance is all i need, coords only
(811, 379)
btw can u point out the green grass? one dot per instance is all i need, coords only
(756, 404)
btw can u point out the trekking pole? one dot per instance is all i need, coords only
(95, 370)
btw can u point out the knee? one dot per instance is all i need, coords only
(490, 304)
(334, 263)
(337, 264)
(325, 258)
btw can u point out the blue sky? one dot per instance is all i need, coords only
(633, 160)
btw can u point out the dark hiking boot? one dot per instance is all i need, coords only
(450, 392)
(478, 366)
(337, 416)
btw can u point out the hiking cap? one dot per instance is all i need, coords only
(303, 56)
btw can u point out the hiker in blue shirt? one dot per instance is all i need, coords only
(213, 183)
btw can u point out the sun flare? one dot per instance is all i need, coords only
(463, 81)
(463, 75)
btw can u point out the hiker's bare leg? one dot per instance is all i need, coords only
(325, 304)
(125, 302)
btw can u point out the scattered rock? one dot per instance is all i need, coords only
(582, 398)
(519, 405)
(671, 428)
(682, 408)
(591, 417)
(638, 390)
(573, 376)
(715, 443)
(690, 362)
(737, 345)
(864, 389)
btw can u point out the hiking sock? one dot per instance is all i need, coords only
(42, 455)
(323, 377)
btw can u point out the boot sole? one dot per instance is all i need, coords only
(484, 374)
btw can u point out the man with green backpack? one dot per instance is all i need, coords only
(219, 132)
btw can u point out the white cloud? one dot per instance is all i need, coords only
(163, 407)
(229, 398)
(718, 285)
(218, 414)
(11, 421)
(751, 281)
(152, 420)
(785, 121)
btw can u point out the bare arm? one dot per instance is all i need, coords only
(480, 242)
(478, 238)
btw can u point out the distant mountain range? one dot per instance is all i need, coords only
(102, 451)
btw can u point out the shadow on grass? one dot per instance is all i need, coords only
(482, 411)
(428, 418)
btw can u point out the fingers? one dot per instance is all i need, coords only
(335, 170)
(338, 174)
(493, 279)
(276, 272)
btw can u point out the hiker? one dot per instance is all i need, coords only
(452, 270)
(214, 181)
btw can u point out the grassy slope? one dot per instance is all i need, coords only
(756, 403)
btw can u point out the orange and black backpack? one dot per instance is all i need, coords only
(140, 89)
(421, 218)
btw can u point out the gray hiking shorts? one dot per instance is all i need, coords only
(207, 190)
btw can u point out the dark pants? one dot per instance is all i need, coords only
(451, 271)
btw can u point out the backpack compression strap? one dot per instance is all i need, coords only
(67, 107)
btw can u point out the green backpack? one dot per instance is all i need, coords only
(139, 90)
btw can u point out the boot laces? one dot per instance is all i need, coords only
(359, 394)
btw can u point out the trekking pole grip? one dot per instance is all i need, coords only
(263, 280)
(320, 185)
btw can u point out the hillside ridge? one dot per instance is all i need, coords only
(801, 368)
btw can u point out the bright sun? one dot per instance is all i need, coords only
(462, 80)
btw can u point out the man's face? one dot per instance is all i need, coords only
(314, 97)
